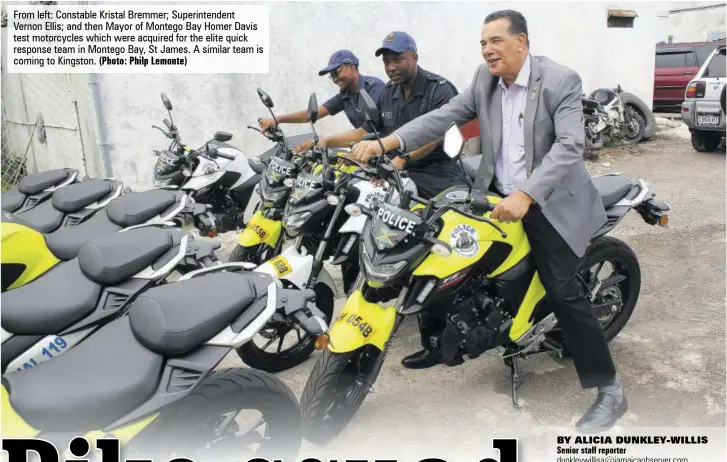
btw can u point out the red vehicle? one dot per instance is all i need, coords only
(676, 65)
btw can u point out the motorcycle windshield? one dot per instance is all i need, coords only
(167, 163)
(278, 170)
(307, 187)
(392, 225)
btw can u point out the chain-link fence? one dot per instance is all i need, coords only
(40, 123)
(40, 126)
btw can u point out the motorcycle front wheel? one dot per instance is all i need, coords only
(283, 359)
(202, 426)
(336, 388)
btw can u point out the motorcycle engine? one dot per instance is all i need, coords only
(471, 327)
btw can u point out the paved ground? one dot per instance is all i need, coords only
(671, 355)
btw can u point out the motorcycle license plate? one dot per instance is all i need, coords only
(708, 120)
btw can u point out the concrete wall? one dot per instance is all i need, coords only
(694, 25)
(303, 35)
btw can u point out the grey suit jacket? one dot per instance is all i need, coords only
(554, 140)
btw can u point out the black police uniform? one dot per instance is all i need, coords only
(435, 172)
(347, 101)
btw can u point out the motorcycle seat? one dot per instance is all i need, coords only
(258, 168)
(51, 303)
(37, 182)
(113, 258)
(89, 386)
(590, 103)
(74, 197)
(471, 164)
(136, 208)
(12, 200)
(175, 318)
(128, 210)
(612, 188)
(66, 242)
(44, 217)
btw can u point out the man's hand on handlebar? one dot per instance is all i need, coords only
(265, 124)
(364, 151)
(307, 145)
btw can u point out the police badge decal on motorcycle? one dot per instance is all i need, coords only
(463, 240)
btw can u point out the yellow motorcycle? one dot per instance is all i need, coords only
(28, 253)
(263, 238)
(447, 253)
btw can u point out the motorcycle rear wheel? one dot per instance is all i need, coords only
(335, 378)
(183, 428)
(624, 292)
(636, 126)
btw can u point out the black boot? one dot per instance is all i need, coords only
(610, 405)
(422, 359)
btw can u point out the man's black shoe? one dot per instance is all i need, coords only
(603, 413)
(421, 359)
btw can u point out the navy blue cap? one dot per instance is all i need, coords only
(338, 59)
(398, 42)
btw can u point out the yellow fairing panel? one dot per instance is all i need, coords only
(26, 246)
(361, 323)
(260, 231)
(13, 426)
(457, 226)
(521, 323)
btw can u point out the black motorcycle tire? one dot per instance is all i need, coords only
(633, 114)
(320, 391)
(608, 248)
(180, 428)
(252, 355)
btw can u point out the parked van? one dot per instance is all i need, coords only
(676, 65)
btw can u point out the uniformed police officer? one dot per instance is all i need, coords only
(411, 92)
(343, 70)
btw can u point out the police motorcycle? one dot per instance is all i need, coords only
(313, 217)
(263, 238)
(447, 252)
(150, 378)
(36, 187)
(28, 253)
(217, 174)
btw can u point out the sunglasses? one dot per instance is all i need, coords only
(334, 75)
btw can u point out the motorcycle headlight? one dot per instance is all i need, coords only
(273, 197)
(294, 221)
(380, 273)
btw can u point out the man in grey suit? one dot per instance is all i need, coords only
(532, 139)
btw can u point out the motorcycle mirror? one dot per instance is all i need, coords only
(312, 108)
(265, 98)
(368, 108)
(453, 141)
(167, 103)
(222, 136)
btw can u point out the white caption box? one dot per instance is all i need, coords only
(116, 39)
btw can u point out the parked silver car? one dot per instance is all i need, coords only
(703, 109)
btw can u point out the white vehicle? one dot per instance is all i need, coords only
(703, 109)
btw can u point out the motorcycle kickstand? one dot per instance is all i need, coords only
(515, 380)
